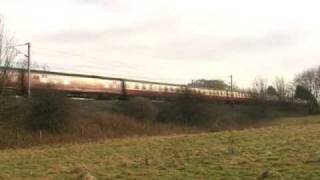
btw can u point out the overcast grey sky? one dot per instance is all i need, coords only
(170, 40)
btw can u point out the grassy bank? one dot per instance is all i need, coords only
(24, 124)
(53, 119)
(289, 149)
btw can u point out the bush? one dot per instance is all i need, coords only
(141, 109)
(13, 110)
(48, 111)
(187, 108)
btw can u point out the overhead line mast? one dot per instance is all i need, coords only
(29, 64)
(28, 56)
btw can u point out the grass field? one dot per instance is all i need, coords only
(289, 149)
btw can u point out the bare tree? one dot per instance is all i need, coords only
(317, 82)
(281, 87)
(260, 86)
(7, 56)
(310, 79)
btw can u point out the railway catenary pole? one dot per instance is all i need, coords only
(231, 83)
(231, 88)
(28, 56)
(29, 70)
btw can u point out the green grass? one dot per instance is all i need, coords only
(287, 150)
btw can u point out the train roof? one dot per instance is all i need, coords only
(102, 77)
(93, 76)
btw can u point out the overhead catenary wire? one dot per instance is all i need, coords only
(124, 68)
(119, 68)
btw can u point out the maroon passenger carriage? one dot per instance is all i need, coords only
(97, 86)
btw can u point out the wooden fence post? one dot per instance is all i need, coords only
(17, 137)
(40, 136)
(82, 132)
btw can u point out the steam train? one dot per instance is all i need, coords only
(104, 87)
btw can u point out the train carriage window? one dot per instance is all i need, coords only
(36, 77)
(155, 87)
(136, 86)
(44, 80)
(144, 87)
(150, 86)
(66, 82)
(13, 78)
(179, 89)
(166, 89)
(114, 84)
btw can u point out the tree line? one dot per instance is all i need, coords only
(310, 80)
(305, 86)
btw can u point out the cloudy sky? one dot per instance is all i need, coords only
(169, 40)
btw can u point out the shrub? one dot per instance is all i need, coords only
(187, 108)
(48, 111)
(141, 109)
(13, 110)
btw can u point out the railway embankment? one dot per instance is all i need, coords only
(50, 118)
